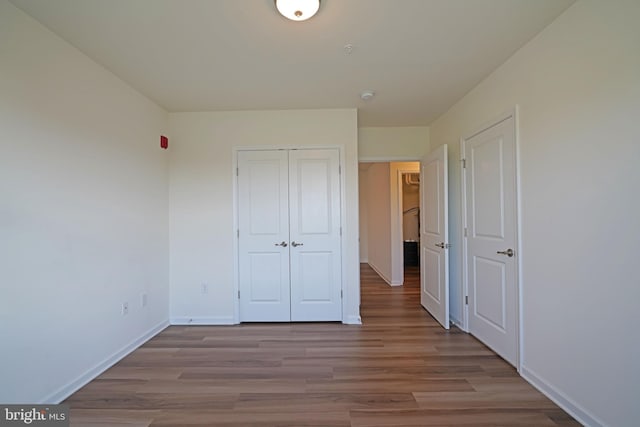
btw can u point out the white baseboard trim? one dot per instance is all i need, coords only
(204, 320)
(75, 385)
(385, 278)
(560, 399)
(353, 320)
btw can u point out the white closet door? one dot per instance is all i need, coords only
(314, 200)
(492, 229)
(264, 236)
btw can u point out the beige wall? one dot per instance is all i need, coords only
(577, 85)
(392, 143)
(395, 220)
(379, 219)
(202, 199)
(363, 206)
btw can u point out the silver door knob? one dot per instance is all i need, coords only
(283, 244)
(294, 244)
(509, 252)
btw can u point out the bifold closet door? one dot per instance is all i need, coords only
(289, 235)
(263, 217)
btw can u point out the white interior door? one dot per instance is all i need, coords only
(490, 187)
(289, 235)
(263, 218)
(314, 197)
(434, 236)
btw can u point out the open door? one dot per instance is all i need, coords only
(434, 235)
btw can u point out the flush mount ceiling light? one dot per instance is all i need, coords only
(297, 10)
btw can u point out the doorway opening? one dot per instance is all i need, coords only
(390, 219)
(410, 202)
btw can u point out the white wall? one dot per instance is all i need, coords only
(578, 87)
(201, 192)
(392, 143)
(379, 219)
(83, 214)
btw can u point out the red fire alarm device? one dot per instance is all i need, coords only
(164, 142)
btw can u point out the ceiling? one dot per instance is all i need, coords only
(419, 56)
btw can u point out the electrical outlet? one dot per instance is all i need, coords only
(125, 308)
(143, 299)
(204, 288)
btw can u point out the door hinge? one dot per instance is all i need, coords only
(237, 171)
(466, 300)
(238, 294)
(339, 170)
(238, 233)
(465, 232)
(464, 163)
(341, 231)
(341, 294)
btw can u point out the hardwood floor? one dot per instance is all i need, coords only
(400, 368)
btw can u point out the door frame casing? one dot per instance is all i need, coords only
(397, 223)
(236, 225)
(511, 113)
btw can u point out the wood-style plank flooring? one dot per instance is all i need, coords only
(400, 368)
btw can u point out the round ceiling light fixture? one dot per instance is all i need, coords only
(297, 10)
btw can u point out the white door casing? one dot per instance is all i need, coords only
(491, 242)
(434, 235)
(263, 216)
(289, 235)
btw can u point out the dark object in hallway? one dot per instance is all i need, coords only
(411, 253)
